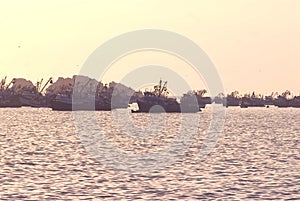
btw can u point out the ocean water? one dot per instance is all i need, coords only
(44, 157)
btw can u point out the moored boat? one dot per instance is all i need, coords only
(7, 96)
(67, 103)
(252, 102)
(11, 101)
(295, 102)
(35, 97)
(158, 102)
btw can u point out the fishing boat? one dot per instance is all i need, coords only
(282, 102)
(251, 102)
(158, 102)
(79, 98)
(36, 99)
(231, 101)
(68, 103)
(202, 101)
(7, 96)
(11, 101)
(295, 102)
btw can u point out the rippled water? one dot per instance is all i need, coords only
(257, 157)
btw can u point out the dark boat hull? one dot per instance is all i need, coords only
(10, 105)
(67, 106)
(11, 102)
(245, 105)
(38, 102)
(146, 107)
(139, 111)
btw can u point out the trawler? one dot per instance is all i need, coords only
(36, 98)
(7, 96)
(252, 102)
(10, 101)
(81, 96)
(202, 101)
(158, 102)
(295, 102)
(63, 102)
(283, 102)
(232, 99)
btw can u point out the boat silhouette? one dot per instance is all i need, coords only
(84, 93)
(69, 103)
(8, 98)
(158, 102)
(35, 97)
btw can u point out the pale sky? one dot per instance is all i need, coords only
(254, 44)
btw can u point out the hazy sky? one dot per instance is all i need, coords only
(254, 44)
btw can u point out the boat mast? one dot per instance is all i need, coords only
(160, 89)
(3, 81)
(11, 82)
(164, 88)
(38, 85)
(49, 81)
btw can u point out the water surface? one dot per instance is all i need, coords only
(257, 157)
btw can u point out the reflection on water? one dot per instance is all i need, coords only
(256, 158)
